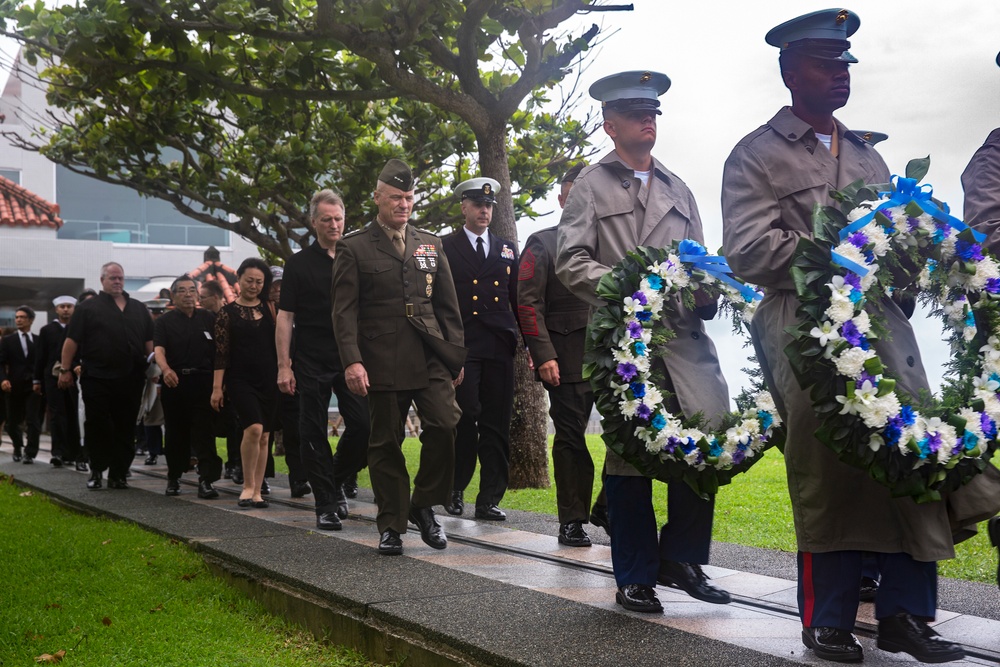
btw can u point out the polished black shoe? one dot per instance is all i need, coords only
(430, 530)
(328, 521)
(150, 460)
(490, 513)
(17, 456)
(28, 460)
(868, 589)
(390, 544)
(904, 633)
(456, 505)
(95, 480)
(265, 488)
(341, 501)
(244, 503)
(56, 462)
(261, 504)
(114, 483)
(993, 528)
(206, 491)
(173, 487)
(300, 489)
(833, 644)
(351, 486)
(237, 475)
(638, 597)
(81, 466)
(572, 534)
(599, 517)
(690, 578)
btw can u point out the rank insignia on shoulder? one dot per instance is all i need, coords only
(507, 252)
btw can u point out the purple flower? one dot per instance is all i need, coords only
(634, 329)
(987, 425)
(626, 371)
(643, 412)
(640, 297)
(993, 285)
(738, 456)
(851, 334)
(858, 240)
(865, 377)
(854, 280)
(913, 223)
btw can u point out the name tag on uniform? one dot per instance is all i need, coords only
(426, 256)
(507, 252)
(208, 336)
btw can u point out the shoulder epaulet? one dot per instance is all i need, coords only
(426, 231)
(355, 232)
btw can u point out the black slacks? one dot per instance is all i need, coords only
(24, 406)
(64, 422)
(486, 398)
(189, 422)
(112, 406)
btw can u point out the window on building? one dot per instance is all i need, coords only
(97, 211)
(11, 175)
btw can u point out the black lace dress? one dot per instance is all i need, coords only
(244, 347)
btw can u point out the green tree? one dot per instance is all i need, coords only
(236, 110)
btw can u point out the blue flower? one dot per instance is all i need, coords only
(970, 319)
(993, 285)
(765, 419)
(969, 440)
(638, 389)
(715, 449)
(659, 421)
(654, 281)
(644, 316)
(639, 348)
(987, 425)
(892, 431)
(970, 252)
(907, 415)
(851, 334)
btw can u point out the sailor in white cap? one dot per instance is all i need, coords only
(629, 199)
(64, 424)
(484, 267)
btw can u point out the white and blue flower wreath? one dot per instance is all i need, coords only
(884, 236)
(642, 292)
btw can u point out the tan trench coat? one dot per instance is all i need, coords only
(771, 181)
(602, 221)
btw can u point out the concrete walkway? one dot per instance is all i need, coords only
(500, 594)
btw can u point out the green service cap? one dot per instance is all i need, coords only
(397, 174)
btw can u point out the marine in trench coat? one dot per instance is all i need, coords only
(771, 181)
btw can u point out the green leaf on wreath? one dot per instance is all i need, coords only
(917, 168)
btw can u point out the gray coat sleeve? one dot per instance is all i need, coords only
(576, 245)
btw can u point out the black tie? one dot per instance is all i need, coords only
(27, 344)
(480, 250)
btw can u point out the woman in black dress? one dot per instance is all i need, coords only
(246, 371)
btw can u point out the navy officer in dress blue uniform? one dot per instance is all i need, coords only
(484, 267)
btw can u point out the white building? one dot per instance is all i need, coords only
(100, 223)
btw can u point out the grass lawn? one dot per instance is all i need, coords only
(754, 510)
(109, 593)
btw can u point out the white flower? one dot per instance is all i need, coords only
(738, 434)
(992, 349)
(866, 393)
(848, 251)
(826, 333)
(877, 413)
(875, 442)
(840, 311)
(877, 238)
(840, 290)
(851, 361)
(851, 405)
(653, 396)
(632, 306)
(862, 322)
(869, 278)
(984, 383)
(628, 408)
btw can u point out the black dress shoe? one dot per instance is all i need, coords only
(173, 487)
(572, 534)
(993, 528)
(351, 486)
(868, 589)
(341, 501)
(244, 503)
(28, 460)
(430, 530)
(907, 634)
(490, 513)
(150, 460)
(56, 462)
(599, 517)
(456, 505)
(328, 521)
(82, 466)
(639, 597)
(206, 491)
(689, 578)
(237, 475)
(265, 488)
(261, 504)
(114, 483)
(95, 480)
(390, 543)
(833, 644)
(300, 489)
(17, 456)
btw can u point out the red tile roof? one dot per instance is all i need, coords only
(21, 208)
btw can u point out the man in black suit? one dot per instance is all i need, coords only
(64, 422)
(484, 267)
(17, 364)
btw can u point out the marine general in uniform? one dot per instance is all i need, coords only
(484, 267)
(399, 333)
(772, 180)
(626, 200)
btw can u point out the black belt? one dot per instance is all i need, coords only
(192, 371)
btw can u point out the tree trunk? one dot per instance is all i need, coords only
(529, 461)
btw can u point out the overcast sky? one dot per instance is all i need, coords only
(926, 76)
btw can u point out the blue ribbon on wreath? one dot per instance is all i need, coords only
(850, 265)
(716, 266)
(906, 190)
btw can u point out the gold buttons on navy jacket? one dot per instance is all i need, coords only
(475, 282)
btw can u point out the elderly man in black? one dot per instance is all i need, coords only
(64, 423)
(185, 352)
(316, 371)
(17, 365)
(112, 334)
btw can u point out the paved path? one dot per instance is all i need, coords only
(501, 593)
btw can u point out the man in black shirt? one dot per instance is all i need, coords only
(64, 423)
(185, 352)
(112, 334)
(316, 368)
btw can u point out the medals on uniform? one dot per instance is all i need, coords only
(426, 259)
(430, 284)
